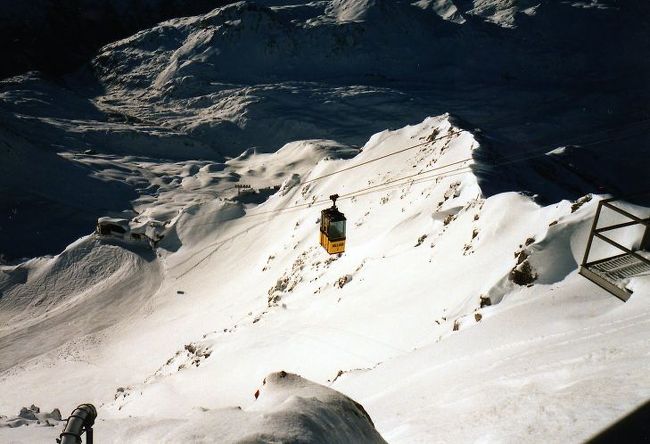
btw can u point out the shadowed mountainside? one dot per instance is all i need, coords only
(56, 37)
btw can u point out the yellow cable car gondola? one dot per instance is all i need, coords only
(332, 228)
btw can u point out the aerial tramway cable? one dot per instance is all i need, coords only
(397, 182)
(449, 134)
(527, 155)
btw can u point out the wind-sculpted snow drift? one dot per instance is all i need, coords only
(288, 409)
(451, 316)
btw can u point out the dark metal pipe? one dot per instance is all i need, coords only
(81, 419)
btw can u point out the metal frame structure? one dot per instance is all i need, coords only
(627, 264)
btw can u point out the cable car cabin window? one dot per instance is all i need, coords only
(336, 230)
(333, 224)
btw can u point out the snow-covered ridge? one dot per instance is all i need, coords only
(436, 278)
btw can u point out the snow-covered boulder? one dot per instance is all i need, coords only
(31, 416)
(288, 408)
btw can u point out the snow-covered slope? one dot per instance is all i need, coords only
(456, 313)
(451, 317)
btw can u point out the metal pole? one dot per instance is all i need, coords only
(591, 234)
(645, 243)
(82, 418)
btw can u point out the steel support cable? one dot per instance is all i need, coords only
(538, 152)
(532, 154)
(542, 150)
(350, 194)
(449, 134)
(624, 127)
(369, 190)
(386, 185)
(528, 155)
(362, 192)
(455, 172)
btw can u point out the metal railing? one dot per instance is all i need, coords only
(586, 268)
